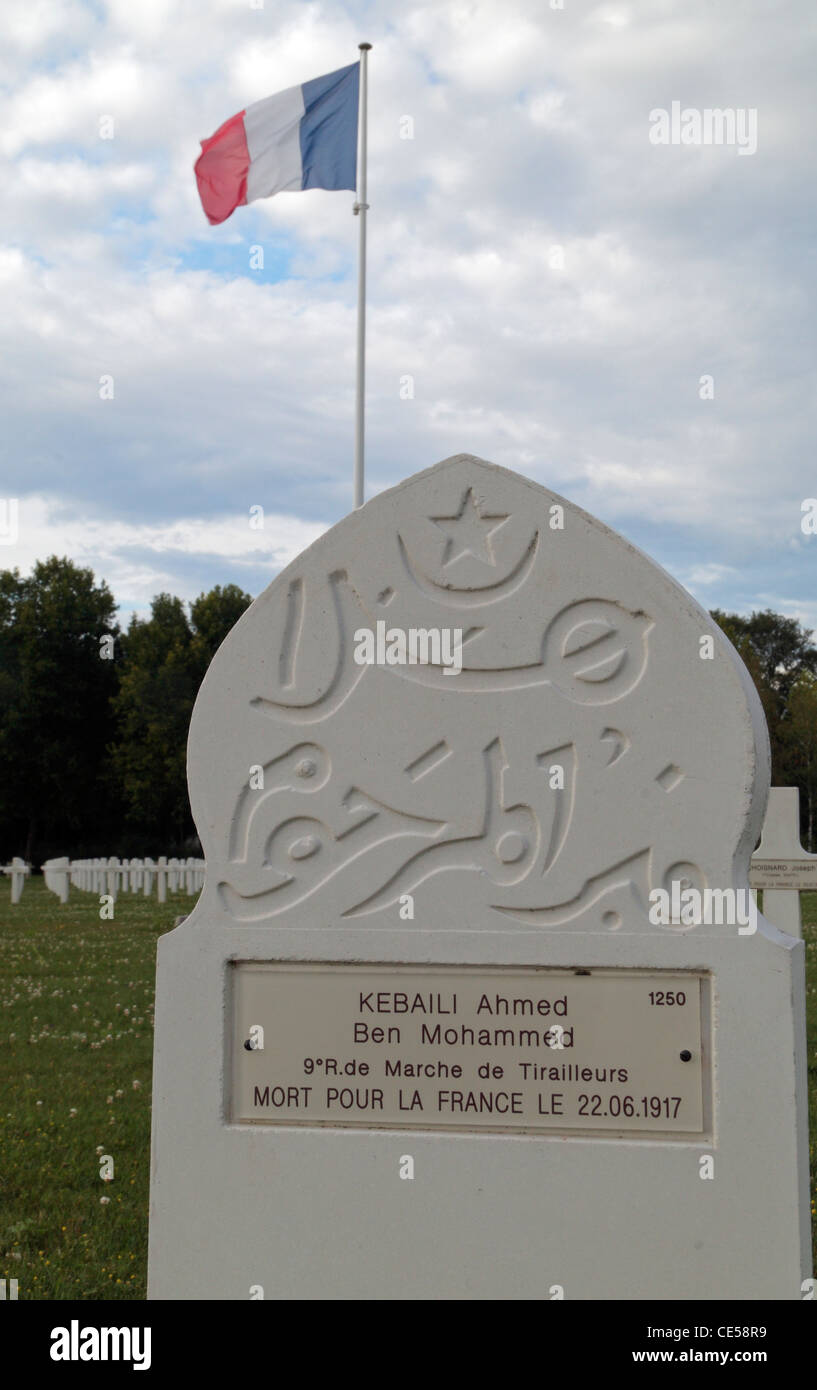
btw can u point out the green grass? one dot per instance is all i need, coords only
(76, 1038)
(76, 1045)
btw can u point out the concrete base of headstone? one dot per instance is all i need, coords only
(668, 770)
(323, 1214)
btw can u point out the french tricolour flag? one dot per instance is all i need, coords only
(305, 137)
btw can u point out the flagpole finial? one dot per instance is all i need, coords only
(364, 45)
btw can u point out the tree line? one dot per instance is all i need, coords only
(94, 718)
(782, 661)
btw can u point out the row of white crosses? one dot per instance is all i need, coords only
(114, 876)
(780, 866)
(138, 876)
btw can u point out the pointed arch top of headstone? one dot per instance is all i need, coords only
(473, 697)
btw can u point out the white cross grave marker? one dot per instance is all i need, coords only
(18, 871)
(780, 866)
(57, 875)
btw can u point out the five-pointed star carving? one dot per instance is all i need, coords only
(469, 532)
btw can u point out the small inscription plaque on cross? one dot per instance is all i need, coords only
(780, 866)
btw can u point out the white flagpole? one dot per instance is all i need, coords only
(360, 209)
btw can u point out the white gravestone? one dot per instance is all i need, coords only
(18, 870)
(780, 865)
(113, 876)
(57, 875)
(148, 872)
(161, 879)
(419, 1038)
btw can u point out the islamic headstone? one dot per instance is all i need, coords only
(467, 1008)
(780, 865)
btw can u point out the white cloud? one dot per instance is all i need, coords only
(232, 389)
(66, 105)
(140, 559)
(30, 26)
(75, 181)
(703, 575)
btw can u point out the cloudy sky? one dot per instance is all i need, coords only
(555, 284)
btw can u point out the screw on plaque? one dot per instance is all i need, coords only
(686, 1056)
(249, 1046)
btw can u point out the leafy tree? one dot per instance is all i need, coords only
(164, 661)
(152, 707)
(776, 651)
(783, 648)
(733, 626)
(212, 616)
(56, 688)
(798, 733)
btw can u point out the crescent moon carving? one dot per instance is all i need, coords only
(472, 598)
